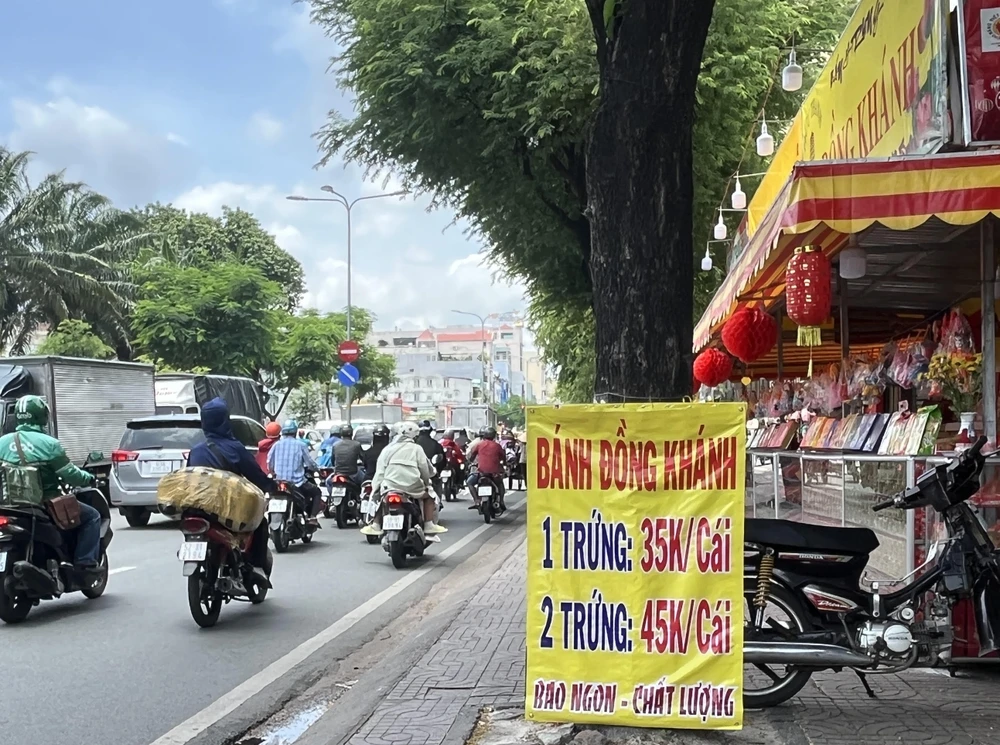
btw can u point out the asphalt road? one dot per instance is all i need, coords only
(132, 665)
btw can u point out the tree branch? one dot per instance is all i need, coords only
(595, 8)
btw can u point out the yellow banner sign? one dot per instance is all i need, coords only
(635, 565)
(883, 92)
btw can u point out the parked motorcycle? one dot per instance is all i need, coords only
(287, 513)
(811, 575)
(344, 501)
(36, 557)
(403, 528)
(217, 567)
(490, 504)
(370, 503)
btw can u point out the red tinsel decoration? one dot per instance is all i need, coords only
(807, 293)
(750, 334)
(712, 367)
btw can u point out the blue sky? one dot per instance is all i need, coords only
(205, 103)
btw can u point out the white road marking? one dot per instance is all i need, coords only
(119, 570)
(228, 703)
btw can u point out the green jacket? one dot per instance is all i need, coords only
(46, 454)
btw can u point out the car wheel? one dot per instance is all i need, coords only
(137, 517)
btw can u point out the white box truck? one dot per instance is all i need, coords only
(90, 401)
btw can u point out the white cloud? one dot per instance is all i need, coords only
(264, 127)
(412, 274)
(177, 139)
(299, 35)
(113, 155)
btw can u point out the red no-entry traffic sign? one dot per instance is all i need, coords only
(349, 351)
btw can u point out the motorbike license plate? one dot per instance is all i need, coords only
(446, 474)
(485, 490)
(277, 505)
(3, 560)
(392, 522)
(193, 551)
(366, 505)
(339, 491)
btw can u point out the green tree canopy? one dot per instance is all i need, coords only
(511, 412)
(306, 404)
(62, 251)
(223, 318)
(487, 104)
(199, 240)
(74, 338)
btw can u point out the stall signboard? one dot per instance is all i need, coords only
(981, 30)
(635, 565)
(883, 92)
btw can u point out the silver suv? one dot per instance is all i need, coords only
(155, 446)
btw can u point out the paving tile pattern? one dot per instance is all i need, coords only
(919, 707)
(477, 662)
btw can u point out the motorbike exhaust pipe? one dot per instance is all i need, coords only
(37, 580)
(805, 655)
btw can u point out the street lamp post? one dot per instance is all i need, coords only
(489, 380)
(348, 205)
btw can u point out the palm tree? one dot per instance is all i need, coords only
(63, 254)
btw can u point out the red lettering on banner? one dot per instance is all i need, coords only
(564, 464)
(628, 466)
(541, 469)
(700, 464)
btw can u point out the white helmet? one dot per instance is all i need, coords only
(408, 430)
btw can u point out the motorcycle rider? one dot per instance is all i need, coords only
(46, 454)
(289, 460)
(489, 458)
(403, 467)
(432, 448)
(369, 458)
(455, 455)
(346, 454)
(273, 432)
(221, 450)
(325, 459)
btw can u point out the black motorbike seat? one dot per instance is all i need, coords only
(795, 536)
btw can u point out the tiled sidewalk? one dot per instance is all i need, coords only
(479, 661)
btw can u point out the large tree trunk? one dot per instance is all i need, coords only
(640, 190)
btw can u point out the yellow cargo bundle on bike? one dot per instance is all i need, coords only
(230, 499)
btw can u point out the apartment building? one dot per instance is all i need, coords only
(503, 342)
(432, 364)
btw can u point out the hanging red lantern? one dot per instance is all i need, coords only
(750, 334)
(712, 367)
(807, 293)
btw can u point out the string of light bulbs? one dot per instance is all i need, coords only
(791, 81)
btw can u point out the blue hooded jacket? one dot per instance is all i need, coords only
(218, 430)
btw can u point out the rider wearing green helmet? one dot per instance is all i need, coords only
(47, 455)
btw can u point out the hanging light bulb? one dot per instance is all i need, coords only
(739, 196)
(720, 229)
(706, 261)
(853, 261)
(791, 76)
(765, 143)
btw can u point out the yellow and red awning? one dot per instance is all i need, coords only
(824, 203)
